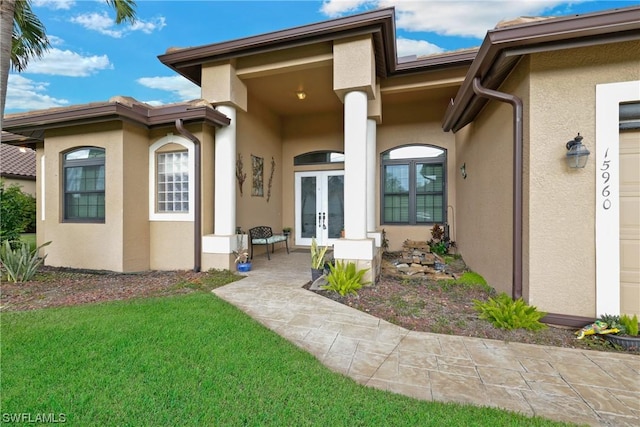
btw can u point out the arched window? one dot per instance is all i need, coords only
(84, 179)
(318, 158)
(414, 185)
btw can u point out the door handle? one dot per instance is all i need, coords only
(324, 221)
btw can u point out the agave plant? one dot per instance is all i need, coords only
(20, 263)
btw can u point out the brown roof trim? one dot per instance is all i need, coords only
(381, 23)
(502, 48)
(33, 124)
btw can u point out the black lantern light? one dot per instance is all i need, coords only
(578, 154)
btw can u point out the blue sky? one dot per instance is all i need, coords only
(91, 59)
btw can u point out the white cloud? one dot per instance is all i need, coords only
(67, 63)
(54, 4)
(470, 18)
(26, 94)
(408, 47)
(104, 24)
(178, 85)
(333, 8)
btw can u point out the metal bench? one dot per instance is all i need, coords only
(263, 235)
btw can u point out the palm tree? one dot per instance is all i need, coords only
(23, 36)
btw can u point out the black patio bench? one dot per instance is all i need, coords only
(263, 235)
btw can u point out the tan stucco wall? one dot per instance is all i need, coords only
(354, 66)
(562, 214)
(171, 243)
(135, 194)
(259, 134)
(484, 198)
(415, 123)
(91, 246)
(558, 91)
(27, 186)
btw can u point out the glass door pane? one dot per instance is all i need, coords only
(308, 207)
(335, 205)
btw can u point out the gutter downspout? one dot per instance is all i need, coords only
(516, 102)
(197, 217)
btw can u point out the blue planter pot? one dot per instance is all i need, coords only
(243, 266)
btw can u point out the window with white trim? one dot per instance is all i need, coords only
(171, 179)
(413, 185)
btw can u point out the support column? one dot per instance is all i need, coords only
(218, 248)
(356, 246)
(371, 175)
(355, 169)
(225, 185)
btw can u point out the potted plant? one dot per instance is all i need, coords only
(627, 326)
(317, 259)
(619, 330)
(242, 254)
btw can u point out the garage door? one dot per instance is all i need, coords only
(630, 222)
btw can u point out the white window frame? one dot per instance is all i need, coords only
(154, 215)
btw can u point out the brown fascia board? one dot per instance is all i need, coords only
(32, 125)
(493, 64)
(380, 23)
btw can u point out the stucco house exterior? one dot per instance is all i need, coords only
(323, 129)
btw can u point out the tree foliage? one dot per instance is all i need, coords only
(17, 212)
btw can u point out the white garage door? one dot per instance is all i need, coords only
(630, 222)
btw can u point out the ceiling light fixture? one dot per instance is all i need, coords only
(301, 95)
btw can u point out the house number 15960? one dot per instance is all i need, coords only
(606, 176)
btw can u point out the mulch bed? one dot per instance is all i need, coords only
(427, 305)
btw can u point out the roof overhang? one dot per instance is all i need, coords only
(379, 23)
(28, 128)
(503, 48)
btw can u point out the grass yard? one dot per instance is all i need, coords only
(30, 238)
(191, 360)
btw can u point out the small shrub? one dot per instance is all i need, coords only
(439, 243)
(20, 263)
(17, 212)
(630, 324)
(505, 313)
(344, 279)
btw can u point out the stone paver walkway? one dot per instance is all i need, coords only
(584, 387)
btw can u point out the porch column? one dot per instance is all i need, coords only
(355, 169)
(224, 223)
(371, 175)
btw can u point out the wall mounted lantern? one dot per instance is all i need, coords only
(578, 154)
(301, 95)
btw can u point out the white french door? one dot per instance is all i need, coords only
(319, 207)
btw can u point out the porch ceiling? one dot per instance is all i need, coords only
(278, 91)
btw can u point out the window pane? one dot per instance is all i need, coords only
(413, 152)
(429, 178)
(396, 208)
(429, 208)
(172, 182)
(396, 179)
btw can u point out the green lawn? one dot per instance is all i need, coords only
(29, 238)
(191, 360)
